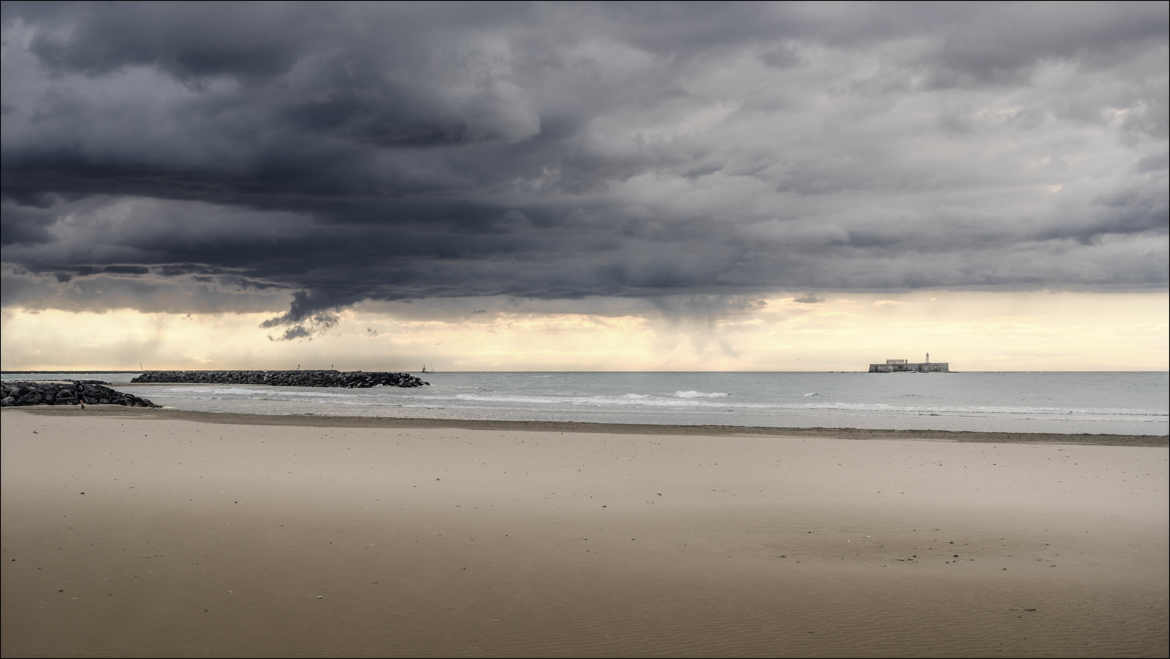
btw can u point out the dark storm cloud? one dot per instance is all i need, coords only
(332, 154)
(93, 291)
(25, 224)
(809, 298)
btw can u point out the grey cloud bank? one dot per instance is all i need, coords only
(185, 157)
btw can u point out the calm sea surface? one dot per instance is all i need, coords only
(1118, 403)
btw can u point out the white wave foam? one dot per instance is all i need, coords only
(268, 393)
(627, 400)
(700, 394)
(682, 401)
(640, 400)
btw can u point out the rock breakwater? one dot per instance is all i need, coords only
(65, 393)
(330, 378)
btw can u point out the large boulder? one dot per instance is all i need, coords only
(65, 393)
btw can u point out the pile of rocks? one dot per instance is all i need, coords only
(349, 379)
(66, 393)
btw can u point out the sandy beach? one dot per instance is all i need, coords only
(154, 533)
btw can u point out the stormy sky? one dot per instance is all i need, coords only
(297, 160)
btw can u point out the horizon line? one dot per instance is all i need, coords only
(140, 370)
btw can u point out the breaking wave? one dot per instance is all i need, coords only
(1014, 402)
(700, 394)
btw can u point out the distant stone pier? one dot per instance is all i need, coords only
(903, 366)
(330, 378)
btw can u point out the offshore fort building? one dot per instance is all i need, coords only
(904, 366)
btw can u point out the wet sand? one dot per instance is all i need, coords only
(153, 532)
(318, 421)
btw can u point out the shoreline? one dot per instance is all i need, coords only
(588, 427)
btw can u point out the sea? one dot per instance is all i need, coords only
(1128, 403)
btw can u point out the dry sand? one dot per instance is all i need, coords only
(155, 534)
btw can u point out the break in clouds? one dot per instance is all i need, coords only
(305, 158)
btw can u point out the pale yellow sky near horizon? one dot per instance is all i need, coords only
(974, 331)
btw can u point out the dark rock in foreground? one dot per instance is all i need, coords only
(348, 379)
(65, 393)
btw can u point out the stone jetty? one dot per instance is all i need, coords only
(72, 392)
(329, 378)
